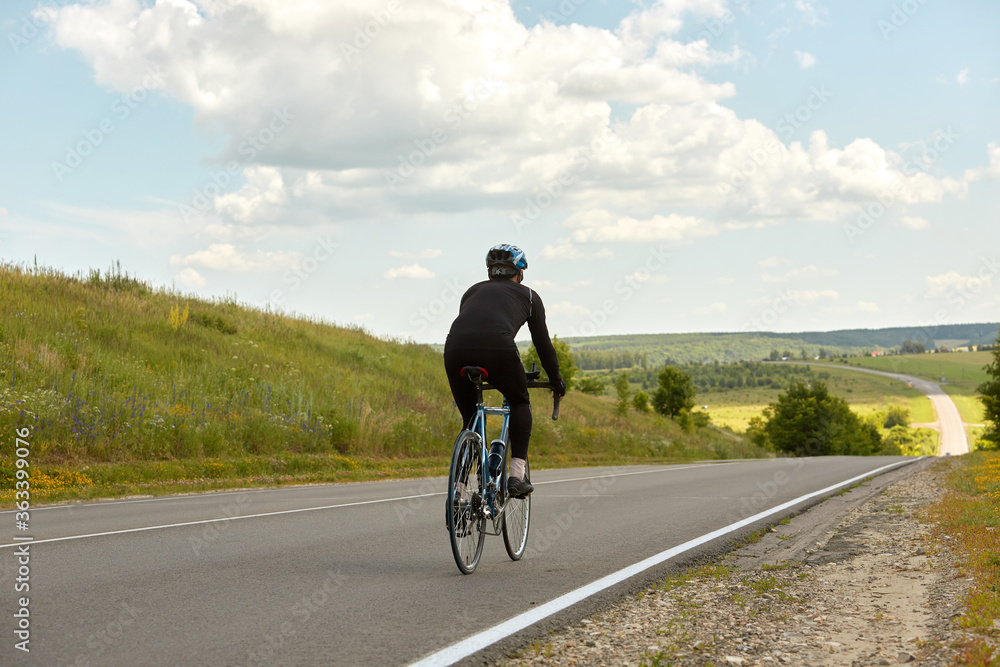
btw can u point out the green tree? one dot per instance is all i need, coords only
(808, 421)
(989, 394)
(911, 441)
(757, 432)
(896, 416)
(624, 393)
(567, 367)
(591, 384)
(641, 402)
(675, 393)
(685, 422)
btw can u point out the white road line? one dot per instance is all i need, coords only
(231, 492)
(479, 641)
(132, 501)
(217, 520)
(624, 474)
(323, 507)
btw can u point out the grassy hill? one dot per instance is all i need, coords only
(127, 388)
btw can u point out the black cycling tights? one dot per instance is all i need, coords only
(506, 374)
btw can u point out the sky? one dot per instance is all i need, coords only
(667, 167)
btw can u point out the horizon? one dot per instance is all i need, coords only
(669, 166)
(82, 275)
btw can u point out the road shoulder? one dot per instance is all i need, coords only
(853, 581)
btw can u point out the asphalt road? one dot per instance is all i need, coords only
(355, 574)
(949, 423)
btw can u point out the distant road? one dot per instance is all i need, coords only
(949, 423)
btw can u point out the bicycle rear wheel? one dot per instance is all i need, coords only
(516, 515)
(465, 501)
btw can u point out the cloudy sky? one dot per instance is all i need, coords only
(671, 166)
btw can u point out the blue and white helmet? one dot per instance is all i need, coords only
(505, 260)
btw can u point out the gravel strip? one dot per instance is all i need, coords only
(876, 591)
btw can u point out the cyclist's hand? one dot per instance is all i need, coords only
(562, 387)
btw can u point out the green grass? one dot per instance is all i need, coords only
(969, 405)
(116, 389)
(963, 369)
(969, 513)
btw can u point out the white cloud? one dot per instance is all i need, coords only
(807, 297)
(3, 211)
(572, 251)
(644, 277)
(962, 77)
(144, 229)
(409, 271)
(802, 273)
(567, 308)
(914, 222)
(478, 107)
(364, 317)
(773, 262)
(813, 13)
(550, 285)
(427, 60)
(992, 172)
(715, 308)
(599, 226)
(227, 257)
(190, 278)
(429, 253)
(948, 284)
(805, 60)
(868, 307)
(256, 201)
(774, 36)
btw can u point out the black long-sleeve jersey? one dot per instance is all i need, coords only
(493, 311)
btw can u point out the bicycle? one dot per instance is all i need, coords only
(477, 494)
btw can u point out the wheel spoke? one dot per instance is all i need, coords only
(515, 523)
(464, 514)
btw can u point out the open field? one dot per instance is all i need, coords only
(865, 394)
(963, 369)
(961, 372)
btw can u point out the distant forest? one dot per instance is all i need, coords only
(720, 377)
(654, 350)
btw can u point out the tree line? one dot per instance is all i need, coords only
(806, 420)
(593, 360)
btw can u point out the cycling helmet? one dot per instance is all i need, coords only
(505, 260)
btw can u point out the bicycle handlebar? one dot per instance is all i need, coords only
(478, 375)
(556, 398)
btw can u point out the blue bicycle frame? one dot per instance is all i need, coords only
(490, 485)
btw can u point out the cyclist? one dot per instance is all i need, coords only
(489, 317)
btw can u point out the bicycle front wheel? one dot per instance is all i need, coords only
(465, 502)
(516, 514)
